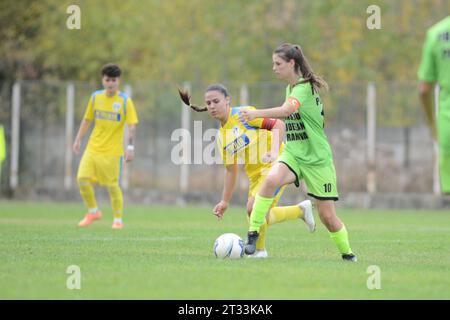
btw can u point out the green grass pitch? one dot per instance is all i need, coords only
(167, 253)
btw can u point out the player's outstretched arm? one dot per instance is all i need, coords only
(231, 172)
(84, 127)
(278, 132)
(282, 112)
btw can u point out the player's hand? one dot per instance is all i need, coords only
(76, 146)
(220, 209)
(129, 155)
(269, 157)
(247, 115)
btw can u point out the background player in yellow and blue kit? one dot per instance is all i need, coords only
(255, 145)
(102, 162)
(435, 69)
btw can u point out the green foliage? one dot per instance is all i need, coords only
(208, 41)
(203, 42)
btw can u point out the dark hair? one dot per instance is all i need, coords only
(186, 97)
(111, 70)
(288, 51)
(218, 87)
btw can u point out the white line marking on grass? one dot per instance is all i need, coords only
(397, 241)
(128, 239)
(118, 238)
(368, 241)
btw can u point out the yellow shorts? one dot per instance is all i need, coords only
(101, 169)
(256, 183)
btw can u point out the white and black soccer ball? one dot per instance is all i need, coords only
(229, 245)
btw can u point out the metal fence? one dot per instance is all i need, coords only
(377, 132)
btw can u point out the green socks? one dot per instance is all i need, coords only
(260, 209)
(262, 206)
(340, 238)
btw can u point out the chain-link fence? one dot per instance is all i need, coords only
(403, 149)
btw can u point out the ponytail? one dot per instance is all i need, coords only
(186, 98)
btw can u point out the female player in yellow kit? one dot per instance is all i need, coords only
(248, 141)
(102, 162)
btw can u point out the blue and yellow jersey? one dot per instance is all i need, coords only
(246, 142)
(109, 115)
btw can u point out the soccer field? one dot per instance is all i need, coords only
(167, 253)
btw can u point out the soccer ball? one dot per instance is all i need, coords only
(229, 245)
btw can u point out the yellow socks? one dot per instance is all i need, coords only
(280, 214)
(276, 215)
(87, 193)
(115, 194)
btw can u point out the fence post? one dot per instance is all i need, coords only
(15, 136)
(126, 166)
(70, 102)
(185, 125)
(243, 101)
(436, 178)
(371, 138)
(243, 97)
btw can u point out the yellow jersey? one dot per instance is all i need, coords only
(2, 146)
(246, 142)
(109, 115)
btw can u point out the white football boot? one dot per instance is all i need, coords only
(261, 254)
(308, 215)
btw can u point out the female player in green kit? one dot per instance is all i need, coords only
(248, 142)
(307, 154)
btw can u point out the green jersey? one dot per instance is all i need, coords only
(435, 65)
(305, 135)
